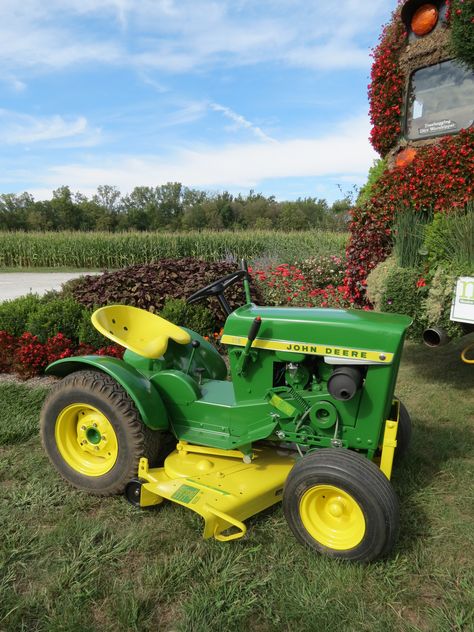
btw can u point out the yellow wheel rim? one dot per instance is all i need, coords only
(86, 439)
(332, 517)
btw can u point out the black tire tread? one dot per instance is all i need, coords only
(348, 464)
(141, 440)
(404, 432)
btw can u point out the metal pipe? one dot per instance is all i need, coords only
(435, 337)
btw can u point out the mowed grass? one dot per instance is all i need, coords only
(81, 250)
(70, 561)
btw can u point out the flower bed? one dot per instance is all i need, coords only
(441, 178)
(287, 285)
(27, 356)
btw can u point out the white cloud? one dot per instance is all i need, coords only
(344, 151)
(241, 122)
(23, 129)
(190, 34)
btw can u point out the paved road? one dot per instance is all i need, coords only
(13, 284)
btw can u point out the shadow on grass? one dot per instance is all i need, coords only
(433, 448)
(441, 364)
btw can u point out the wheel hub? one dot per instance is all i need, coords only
(86, 439)
(332, 517)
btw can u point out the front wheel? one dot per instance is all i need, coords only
(340, 504)
(93, 433)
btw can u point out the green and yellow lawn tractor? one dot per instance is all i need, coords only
(308, 416)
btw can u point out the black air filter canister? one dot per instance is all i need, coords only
(344, 382)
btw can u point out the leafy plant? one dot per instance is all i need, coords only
(437, 304)
(404, 294)
(440, 178)
(462, 35)
(148, 286)
(54, 317)
(375, 173)
(449, 240)
(14, 314)
(103, 250)
(195, 317)
(377, 282)
(87, 334)
(408, 235)
(323, 270)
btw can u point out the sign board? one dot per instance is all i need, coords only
(462, 309)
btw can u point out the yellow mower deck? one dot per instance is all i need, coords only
(217, 485)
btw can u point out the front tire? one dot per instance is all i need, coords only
(93, 433)
(340, 504)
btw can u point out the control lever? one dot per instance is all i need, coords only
(254, 329)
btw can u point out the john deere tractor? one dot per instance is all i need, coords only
(306, 414)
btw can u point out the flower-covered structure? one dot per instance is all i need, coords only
(422, 113)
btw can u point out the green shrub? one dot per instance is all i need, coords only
(449, 241)
(195, 317)
(15, 314)
(375, 173)
(55, 316)
(88, 334)
(377, 282)
(403, 296)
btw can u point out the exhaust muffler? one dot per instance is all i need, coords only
(435, 337)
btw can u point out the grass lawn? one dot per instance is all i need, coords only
(73, 562)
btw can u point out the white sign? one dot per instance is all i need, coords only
(462, 309)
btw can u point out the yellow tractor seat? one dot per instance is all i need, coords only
(138, 330)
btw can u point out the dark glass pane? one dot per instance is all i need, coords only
(440, 100)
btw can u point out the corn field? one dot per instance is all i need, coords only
(116, 250)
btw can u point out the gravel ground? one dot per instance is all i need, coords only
(42, 380)
(14, 284)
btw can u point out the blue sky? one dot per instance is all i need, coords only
(216, 94)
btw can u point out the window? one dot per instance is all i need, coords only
(440, 100)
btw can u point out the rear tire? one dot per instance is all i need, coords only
(404, 432)
(340, 504)
(93, 433)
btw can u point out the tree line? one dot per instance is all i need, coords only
(167, 207)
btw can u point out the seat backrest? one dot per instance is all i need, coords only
(138, 330)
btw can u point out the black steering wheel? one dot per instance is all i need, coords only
(217, 288)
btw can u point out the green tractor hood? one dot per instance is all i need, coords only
(345, 335)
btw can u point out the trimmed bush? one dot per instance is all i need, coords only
(88, 334)
(377, 282)
(54, 317)
(437, 305)
(15, 314)
(195, 317)
(404, 294)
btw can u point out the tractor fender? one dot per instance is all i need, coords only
(143, 393)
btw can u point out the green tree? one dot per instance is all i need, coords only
(14, 211)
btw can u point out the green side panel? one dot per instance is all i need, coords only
(145, 396)
(176, 386)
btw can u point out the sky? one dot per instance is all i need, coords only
(217, 94)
